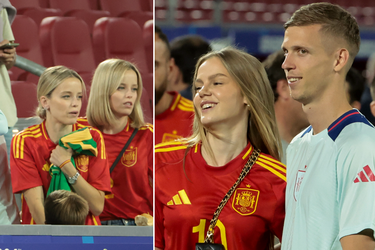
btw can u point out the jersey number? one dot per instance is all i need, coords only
(200, 229)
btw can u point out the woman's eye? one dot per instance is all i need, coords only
(217, 83)
(120, 88)
(197, 88)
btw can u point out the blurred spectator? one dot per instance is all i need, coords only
(3, 124)
(65, 208)
(372, 91)
(366, 96)
(290, 117)
(355, 84)
(185, 52)
(8, 207)
(174, 114)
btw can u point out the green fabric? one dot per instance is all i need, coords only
(81, 142)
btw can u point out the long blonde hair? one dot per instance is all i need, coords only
(107, 78)
(251, 77)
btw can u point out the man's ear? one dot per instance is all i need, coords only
(341, 60)
(282, 89)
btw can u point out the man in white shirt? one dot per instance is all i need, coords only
(330, 198)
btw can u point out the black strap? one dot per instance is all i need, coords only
(123, 150)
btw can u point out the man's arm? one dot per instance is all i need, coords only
(7, 56)
(362, 241)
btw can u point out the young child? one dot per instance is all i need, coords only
(65, 208)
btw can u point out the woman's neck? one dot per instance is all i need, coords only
(226, 144)
(117, 126)
(57, 130)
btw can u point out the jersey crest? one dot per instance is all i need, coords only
(245, 201)
(82, 163)
(129, 158)
(297, 185)
(47, 166)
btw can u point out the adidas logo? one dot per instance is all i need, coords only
(179, 199)
(365, 175)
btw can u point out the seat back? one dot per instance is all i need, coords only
(24, 94)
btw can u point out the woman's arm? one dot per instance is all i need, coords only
(94, 197)
(35, 200)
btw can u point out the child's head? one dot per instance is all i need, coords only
(65, 208)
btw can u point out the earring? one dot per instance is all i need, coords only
(45, 108)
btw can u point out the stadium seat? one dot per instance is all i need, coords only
(111, 33)
(148, 39)
(26, 34)
(66, 41)
(25, 4)
(68, 5)
(117, 7)
(89, 16)
(140, 17)
(38, 14)
(24, 94)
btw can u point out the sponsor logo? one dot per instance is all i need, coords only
(365, 175)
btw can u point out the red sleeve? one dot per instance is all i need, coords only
(24, 172)
(99, 176)
(279, 214)
(159, 224)
(150, 155)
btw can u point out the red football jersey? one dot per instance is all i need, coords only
(186, 198)
(176, 121)
(30, 153)
(131, 189)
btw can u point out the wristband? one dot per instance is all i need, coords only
(64, 163)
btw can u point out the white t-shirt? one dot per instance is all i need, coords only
(330, 184)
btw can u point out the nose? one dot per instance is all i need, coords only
(76, 101)
(204, 91)
(288, 63)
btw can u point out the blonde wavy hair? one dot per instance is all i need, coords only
(252, 80)
(50, 79)
(107, 78)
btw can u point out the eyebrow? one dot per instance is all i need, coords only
(69, 92)
(296, 47)
(211, 77)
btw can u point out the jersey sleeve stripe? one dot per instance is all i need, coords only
(196, 148)
(23, 142)
(272, 170)
(169, 149)
(183, 108)
(247, 153)
(281, 169)
(102, 152)
(168, 143)
(176, 102)
(273, 160)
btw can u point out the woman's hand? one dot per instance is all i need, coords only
(59, 155)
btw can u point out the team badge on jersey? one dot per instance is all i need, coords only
(47, 166)
(245, 200)
(82, 163)
(129, 158)
(297, 185)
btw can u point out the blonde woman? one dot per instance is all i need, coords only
(114, 108)
(234, 115)
(35, 149)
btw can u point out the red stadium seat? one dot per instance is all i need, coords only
(43, 3)
(38, 14)
(140, 17)
(89, 16)
(23, 4)
(25, 97)
(68, 5)
(117, 7)
(66, 41)
(148, 39)
(111, 33)
(26, 33)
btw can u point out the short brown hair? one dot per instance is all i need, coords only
(63, 207)
(335, 21)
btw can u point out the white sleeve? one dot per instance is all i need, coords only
(3, 124)
(356, 185)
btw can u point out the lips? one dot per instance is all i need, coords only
(74, 113)
(206, 105)
(128, 104)
(293, 79)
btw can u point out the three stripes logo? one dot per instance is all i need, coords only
(179, 199)
(365, 175)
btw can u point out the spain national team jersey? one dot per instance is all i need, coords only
(176, 122)
(30, 153)
(130, 179)
(330, 192)
(186, 197)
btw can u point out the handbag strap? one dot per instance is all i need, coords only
(123, 150)
(252, 159)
